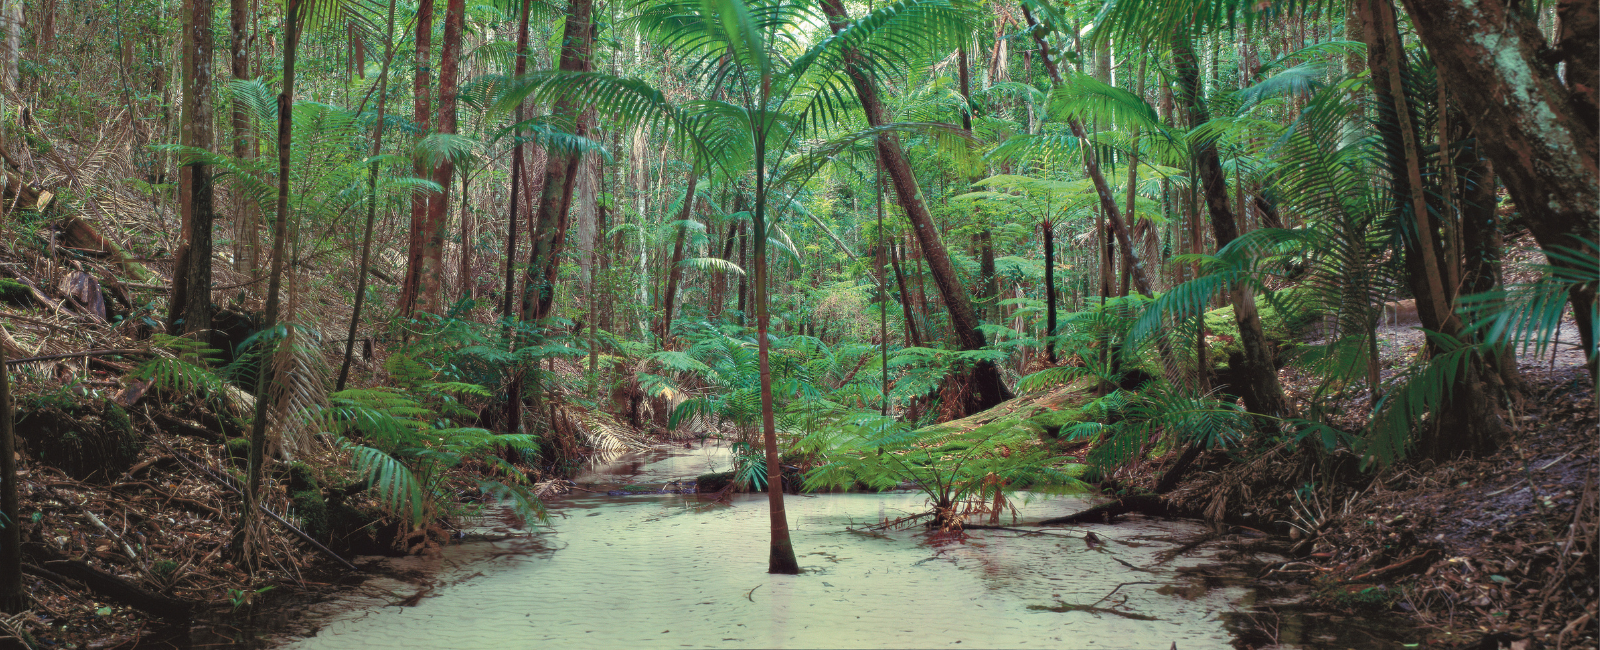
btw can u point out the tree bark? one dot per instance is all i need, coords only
(1471, 419)
(1540, 133)
(247, 218)
(190, 308)
(560, 171)
(1049, 231)
(669, 296)
(507, 309)
(422, 109)
(430, 275)
(1261, 391)
(989, 388)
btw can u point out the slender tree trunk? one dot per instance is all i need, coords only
(244, 547)
(430, 278)
(560, 170)
(422, 110)
(781, 559)
(508, 308)
(12, 598)
(744, 281)
(1049, 232)
(673, 272)
(190, 308)
(1481, 244)
(1261, 391)
(247, 216)
(372, 203)
(990, 389)
(1540, 133)
(912, 340)
(469, 229)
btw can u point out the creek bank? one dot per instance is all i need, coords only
(1500, 549)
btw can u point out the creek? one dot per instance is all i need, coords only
(674, 570)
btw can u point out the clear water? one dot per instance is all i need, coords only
(663, 571)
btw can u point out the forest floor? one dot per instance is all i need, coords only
(1490, 552)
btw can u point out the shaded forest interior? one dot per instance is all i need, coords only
(284, 283)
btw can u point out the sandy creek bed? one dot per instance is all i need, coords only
(665, 571)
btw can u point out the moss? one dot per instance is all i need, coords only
(312, 511)
(13, 290)
(1051, 422)
(713, 482)
(1282, 329)
(238, 451)
(302, 477)
(89, 440)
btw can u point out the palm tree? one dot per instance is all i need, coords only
(783, 88)
(244, 535)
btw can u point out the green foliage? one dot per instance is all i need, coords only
(957, 470)
(403, 442)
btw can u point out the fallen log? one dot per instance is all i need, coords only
(74, 355)
(121, 591)
(79, 234)
(179, 427)
(1147, 504)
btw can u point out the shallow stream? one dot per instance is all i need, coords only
(671, 570)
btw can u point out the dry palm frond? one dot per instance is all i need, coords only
(299, 390)
(597, 430)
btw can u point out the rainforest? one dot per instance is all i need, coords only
(799, 324)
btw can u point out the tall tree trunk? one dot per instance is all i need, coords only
(989, 388)
(744, 280)
(781, 558)
(12, 598)
(430, 276)
(372, 202)
(1482, 243)
(718, 298)
(668, 297)
(469, 229)
(422, 110)
(245, 546)
(560, 170)
(1261, 391)
(10, 75)
(507, 309)
(247, 216)
(1540, 133)
(1472, 420)
(190, 308)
